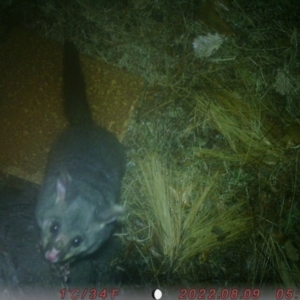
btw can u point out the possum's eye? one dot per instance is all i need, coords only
(77, 241)
(54, 228)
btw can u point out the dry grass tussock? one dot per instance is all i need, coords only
(183, 217)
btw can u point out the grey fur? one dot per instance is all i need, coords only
(77, 207)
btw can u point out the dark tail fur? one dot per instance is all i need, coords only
(76, 105)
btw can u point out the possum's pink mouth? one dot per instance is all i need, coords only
(52, 255)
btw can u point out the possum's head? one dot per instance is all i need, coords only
(72, 223)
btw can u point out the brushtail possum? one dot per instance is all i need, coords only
(77, 205)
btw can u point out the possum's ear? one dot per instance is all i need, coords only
(62, 185)
(109, 214)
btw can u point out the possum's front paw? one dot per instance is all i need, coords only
(65, 271)
(62, 271)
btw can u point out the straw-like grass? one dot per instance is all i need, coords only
(182, 216)
(244, 126)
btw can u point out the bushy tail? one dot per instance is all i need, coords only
(76, 106)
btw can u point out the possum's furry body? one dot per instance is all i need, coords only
(77, 207)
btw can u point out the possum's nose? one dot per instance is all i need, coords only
(52, 255)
